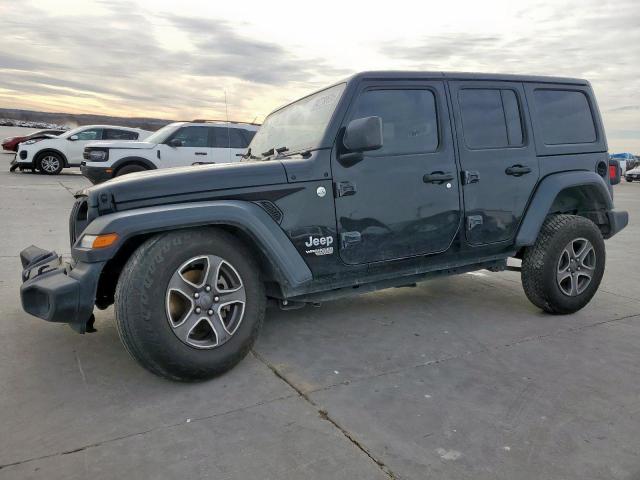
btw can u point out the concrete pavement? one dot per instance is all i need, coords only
(459, 377)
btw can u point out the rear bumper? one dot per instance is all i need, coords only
(56, 291)
(96, 174)
(617, 221)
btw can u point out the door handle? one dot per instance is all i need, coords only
(437, 177)
(518, 170)
(201, 153)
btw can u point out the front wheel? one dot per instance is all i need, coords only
(129, 169)
(561, 272)
(189, 304)
(50, 164)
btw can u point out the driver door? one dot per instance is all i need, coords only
(403, 199)
(193, 147)
(75, 148)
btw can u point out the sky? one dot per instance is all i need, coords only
(180, 59)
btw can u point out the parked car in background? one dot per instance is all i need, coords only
(632, 175)
(11, 143)
(50, 155)
(174, 145)
(626, 160)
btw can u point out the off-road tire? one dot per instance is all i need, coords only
(129, 169)
(38, 164)
(142, 320)
(540, 263)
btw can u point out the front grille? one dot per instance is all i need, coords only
(78, 219)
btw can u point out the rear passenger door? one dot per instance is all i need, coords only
(228, 143)
(497, 156)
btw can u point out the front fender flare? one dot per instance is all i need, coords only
(133, 160)
(546, 193)
(290, 269)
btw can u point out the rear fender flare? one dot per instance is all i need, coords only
(548, 189)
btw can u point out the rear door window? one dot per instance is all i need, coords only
(491, 118)
(237, 139)
(114, 134)
(564, 116)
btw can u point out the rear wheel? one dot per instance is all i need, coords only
(129, 169)
(562, 271)
(50, 164)
(189, 304)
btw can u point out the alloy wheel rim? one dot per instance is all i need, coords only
(50, 163)
(576, 267)
(205, 301)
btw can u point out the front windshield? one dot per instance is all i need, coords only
(161, 135)
(298, 126)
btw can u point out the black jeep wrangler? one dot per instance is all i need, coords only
(382, 180)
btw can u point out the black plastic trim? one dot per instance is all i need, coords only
(290, 269)
(547, 191)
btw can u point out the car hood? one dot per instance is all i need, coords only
(634, 170)
(184, 184)
(123, 144)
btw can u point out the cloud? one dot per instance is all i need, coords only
(221, 50)
(119, 61)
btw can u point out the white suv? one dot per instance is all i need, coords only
(51, 155)
(174, 145)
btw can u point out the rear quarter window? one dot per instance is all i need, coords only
(564, 117)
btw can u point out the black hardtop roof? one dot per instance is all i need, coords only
(413, 75)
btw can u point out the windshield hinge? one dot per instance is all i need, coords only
(345, 189)
(105, 203)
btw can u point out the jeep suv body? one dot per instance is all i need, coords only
(50, 155)
(175, 145)
(382, 180)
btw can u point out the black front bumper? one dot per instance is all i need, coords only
(96, 174)
(58, 291)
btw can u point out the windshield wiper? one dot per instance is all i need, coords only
(304, 153)
(247, 155)
(273, 151)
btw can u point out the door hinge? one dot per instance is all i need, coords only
(469, 176)
(473, 221)
(349, 239)
(345, 189)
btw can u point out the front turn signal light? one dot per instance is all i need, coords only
(98, 241)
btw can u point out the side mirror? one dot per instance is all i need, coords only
(73, 138)
(175, 142)
(363, 134)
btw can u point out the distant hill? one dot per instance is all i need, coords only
(73, 120)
